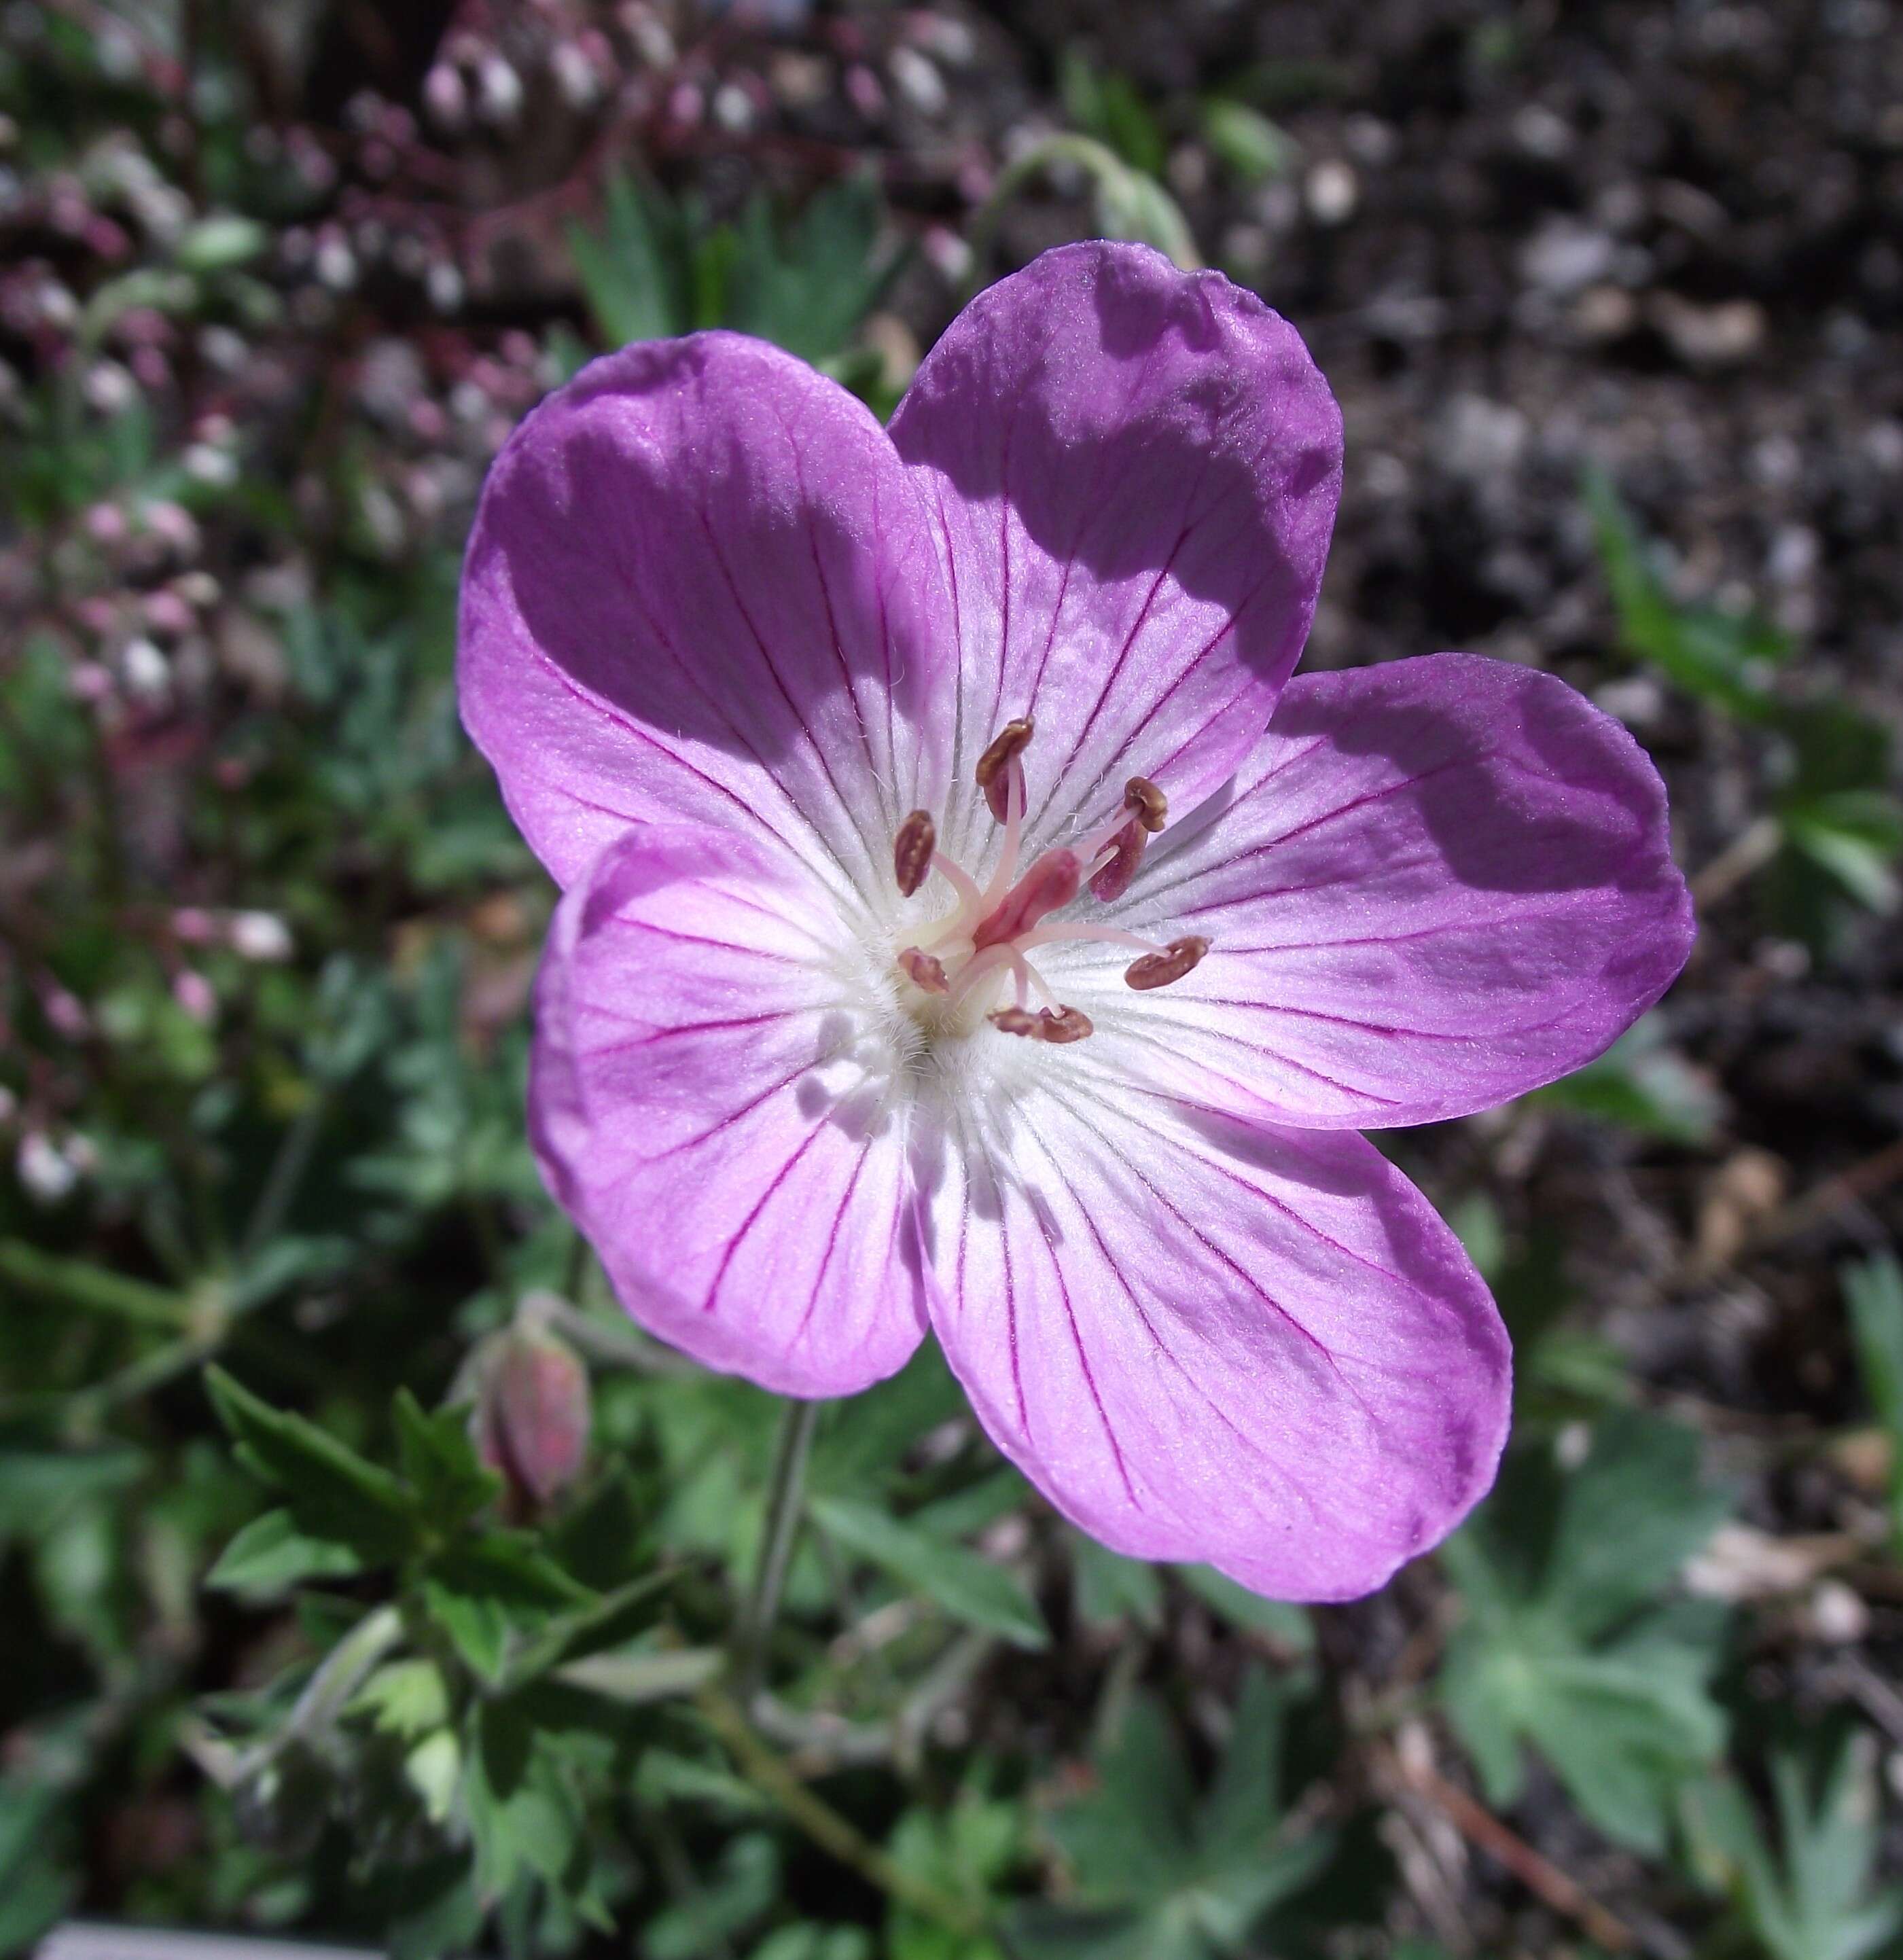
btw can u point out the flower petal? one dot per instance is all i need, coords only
(1440, 882)
(1206, 1339)
(701, 587)
(707, 1099)
(1135, 472)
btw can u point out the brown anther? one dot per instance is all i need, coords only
(1151, 806)
(1067, 1024)
(1159, 969)
(993, 778)
(912, 850)
(1115, 878)
(925, 971)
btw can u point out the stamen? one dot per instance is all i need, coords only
(1111, 879)
(1060, 1026)
(1008, 742)
(969, 897)
(1151, 806)
(923, 972)
(1015, 803)
(1159, 969)
(912, 850)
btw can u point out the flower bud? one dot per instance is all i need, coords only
(532, 1413)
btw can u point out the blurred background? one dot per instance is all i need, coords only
(1612, 296)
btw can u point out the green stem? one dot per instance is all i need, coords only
(770, 1773)
(785, 1488)
(286, 1173)
(79, 1284)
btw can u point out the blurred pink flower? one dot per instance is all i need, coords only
(951, 938)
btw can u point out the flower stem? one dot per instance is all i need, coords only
(785, 1487)
(770, 1773)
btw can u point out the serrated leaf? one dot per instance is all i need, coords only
(332, 1492)
(478, 1628)
(968, 1587)
(440, 1462)
(1155, 1872)
(270, 1556)
(1810, 1899)
(1564, 1647)
(408, 1698)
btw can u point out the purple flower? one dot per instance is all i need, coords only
(951, 938)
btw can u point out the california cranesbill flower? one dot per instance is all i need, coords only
(968, 924)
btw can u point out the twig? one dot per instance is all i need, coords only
(1749, 852)
(1542, 1878)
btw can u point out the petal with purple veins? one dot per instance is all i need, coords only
(1207, 1340)
(711, 1102)
(1438, 884)
(1135, 471)
(700, 588)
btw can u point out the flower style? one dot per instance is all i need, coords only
(966, 922)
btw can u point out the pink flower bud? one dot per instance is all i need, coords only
(531, 1414)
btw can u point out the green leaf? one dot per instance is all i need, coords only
(741, 1891)
(964, 1852)
(40, 1489)
(478, 1628)
(271, 1556)
(1711, 655)
(1873, 1293)
(448, 1479)
(1105, 104)
(969, 1588)
(408, 1698)
(1250, 146)
(523, 1816)
(1641, 1084)
(1153, 1871)
(1565, 1647)
(1812, 1900)
(634, 271)
(1855, 836)
(1111, 1588)
(1288, 1627)
(332, 1492)
(809, 290)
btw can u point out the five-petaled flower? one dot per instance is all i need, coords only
(967, 922)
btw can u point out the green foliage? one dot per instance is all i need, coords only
(1157, 1873)
(1834, 809)
(1642, 1084)
(1105, 104)
(1813, 1898)
(1715, 656)
(659, 266)
(1567, 1643)
(967, 1586)
(1250, 145)
(1873, 1293)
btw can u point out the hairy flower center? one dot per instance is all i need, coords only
(982, 946)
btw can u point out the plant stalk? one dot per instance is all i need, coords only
(785, 1489)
